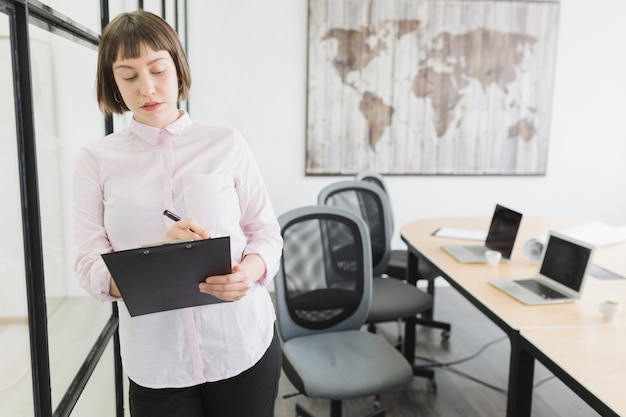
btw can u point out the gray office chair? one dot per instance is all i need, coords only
(392, 299)
(323, 296)
(398, 260)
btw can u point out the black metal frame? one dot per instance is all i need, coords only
(21, 13)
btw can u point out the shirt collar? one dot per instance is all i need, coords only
(152, 135)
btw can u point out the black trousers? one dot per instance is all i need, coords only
(250, 394)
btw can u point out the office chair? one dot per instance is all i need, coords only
(323, 296)
(392, 299)
(399, 258)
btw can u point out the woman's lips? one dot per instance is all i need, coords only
(151, 106)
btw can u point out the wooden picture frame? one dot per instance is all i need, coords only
(430, 87)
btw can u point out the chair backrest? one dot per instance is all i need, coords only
(372, 177)
(370, 202)
(324, 282)
(376, 178)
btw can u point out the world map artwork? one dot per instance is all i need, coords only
(436, 87)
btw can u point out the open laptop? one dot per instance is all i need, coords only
(501, 237)
(561, 276)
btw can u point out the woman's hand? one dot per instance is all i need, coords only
(229, 287)
(113, 290)
(186, 229)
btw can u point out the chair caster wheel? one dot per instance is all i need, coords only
(445, 335)
(431, 386)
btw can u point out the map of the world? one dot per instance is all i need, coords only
(437, 87)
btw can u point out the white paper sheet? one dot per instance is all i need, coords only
(461, 233)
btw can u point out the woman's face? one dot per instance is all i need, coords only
(149, 86)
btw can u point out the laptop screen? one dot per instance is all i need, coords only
(565, 262)
(503, 230)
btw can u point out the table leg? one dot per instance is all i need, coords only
(410, 323)
(521, 372)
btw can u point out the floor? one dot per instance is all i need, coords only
(471, 368)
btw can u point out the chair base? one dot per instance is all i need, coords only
(336, 410)
(445, 327)
(429, 374)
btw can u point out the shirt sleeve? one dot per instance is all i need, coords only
(258, 219)
(90, 238)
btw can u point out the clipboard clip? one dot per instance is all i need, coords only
(166, 242)
(154, 245)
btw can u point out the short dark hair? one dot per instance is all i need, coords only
(123, 38)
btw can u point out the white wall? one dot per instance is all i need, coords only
(248, 60)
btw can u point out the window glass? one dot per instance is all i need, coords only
(15, 384)
(66, 118)
(87, 14)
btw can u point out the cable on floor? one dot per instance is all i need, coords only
(437, 364)
(472, 378)
(447, 366)
(543, 381)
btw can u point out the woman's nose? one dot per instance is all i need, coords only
(147, 86)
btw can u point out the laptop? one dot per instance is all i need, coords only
(564, 265)
(501, 237)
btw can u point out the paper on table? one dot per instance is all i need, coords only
(596, 233)
(461, 233)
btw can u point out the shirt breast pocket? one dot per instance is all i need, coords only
(212, 200)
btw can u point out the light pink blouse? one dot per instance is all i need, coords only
(122, 184)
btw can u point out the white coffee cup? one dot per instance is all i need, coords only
(609, 309)
(493, 257)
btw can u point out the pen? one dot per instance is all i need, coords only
(171, 215)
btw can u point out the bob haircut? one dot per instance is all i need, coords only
(123, 38)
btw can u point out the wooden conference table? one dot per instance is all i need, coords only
(572, 340)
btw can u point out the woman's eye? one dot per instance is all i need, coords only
(126, 76)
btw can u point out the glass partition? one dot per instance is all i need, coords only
(98, 398)
(16, 382)
(87, 14)
(65, 117)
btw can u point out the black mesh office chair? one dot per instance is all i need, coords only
(398, 260)
(323, 296)
(393, 299)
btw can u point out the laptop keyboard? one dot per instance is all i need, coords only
(538, 288)
(476, 250)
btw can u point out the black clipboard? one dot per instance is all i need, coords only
(166, 276)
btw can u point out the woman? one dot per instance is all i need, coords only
(217, 360)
